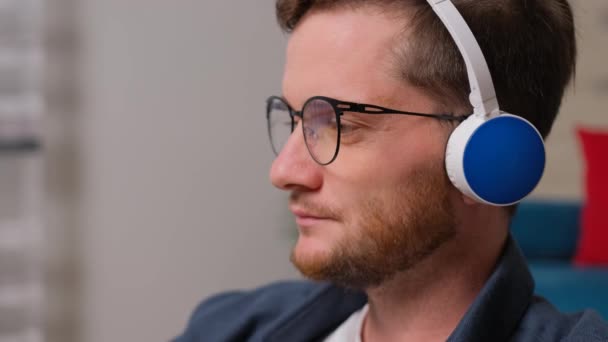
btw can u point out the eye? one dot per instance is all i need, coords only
(349, 124)
(346, 127)
(353, 128)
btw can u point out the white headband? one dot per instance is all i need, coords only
(482, 97)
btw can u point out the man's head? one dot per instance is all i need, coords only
(385, 203)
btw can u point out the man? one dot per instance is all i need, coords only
(396, 251)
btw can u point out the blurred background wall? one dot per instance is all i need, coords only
(173, 160)
(157, 162)
(585, 104)
(157, 157)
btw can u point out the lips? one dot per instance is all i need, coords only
(306, 215)
(305, 218)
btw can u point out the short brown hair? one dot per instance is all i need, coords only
(529, 46)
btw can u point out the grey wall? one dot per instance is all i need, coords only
(174, 202)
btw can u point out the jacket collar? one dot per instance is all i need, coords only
(493, 316)
(496, 311)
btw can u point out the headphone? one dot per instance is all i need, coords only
(493, 157)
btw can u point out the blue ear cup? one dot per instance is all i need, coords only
(497, 161)
(493, 157)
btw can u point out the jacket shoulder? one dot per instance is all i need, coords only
(543, 322)
(588, 326)
(237, 315)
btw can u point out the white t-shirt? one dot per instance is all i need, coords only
(351, 329)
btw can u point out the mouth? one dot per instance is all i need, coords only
(306, 218)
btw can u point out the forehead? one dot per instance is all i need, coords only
(346, 54)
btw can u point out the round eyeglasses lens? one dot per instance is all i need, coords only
(321, 133)
(280, 123)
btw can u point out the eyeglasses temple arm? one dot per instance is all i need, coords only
(373, 109)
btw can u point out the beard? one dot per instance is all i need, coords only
(390, 234)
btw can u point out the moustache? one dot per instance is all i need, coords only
(312, 208)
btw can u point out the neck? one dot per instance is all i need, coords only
(427, 302)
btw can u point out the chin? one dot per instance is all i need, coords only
(311, 253)
(311, 248)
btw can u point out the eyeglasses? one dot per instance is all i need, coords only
(321, 126)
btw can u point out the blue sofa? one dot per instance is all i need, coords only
(547, 232)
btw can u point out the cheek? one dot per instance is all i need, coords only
(379, 165)
(377, 171)
(354, 191)
(406, 145)
(368, 171)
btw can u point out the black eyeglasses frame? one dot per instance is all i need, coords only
(339, 108)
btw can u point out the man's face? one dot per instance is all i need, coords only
(383, 204)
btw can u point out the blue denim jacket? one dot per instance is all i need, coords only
(504, 310)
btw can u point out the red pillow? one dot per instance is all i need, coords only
(593, 241)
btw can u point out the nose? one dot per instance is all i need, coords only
(294, 168)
